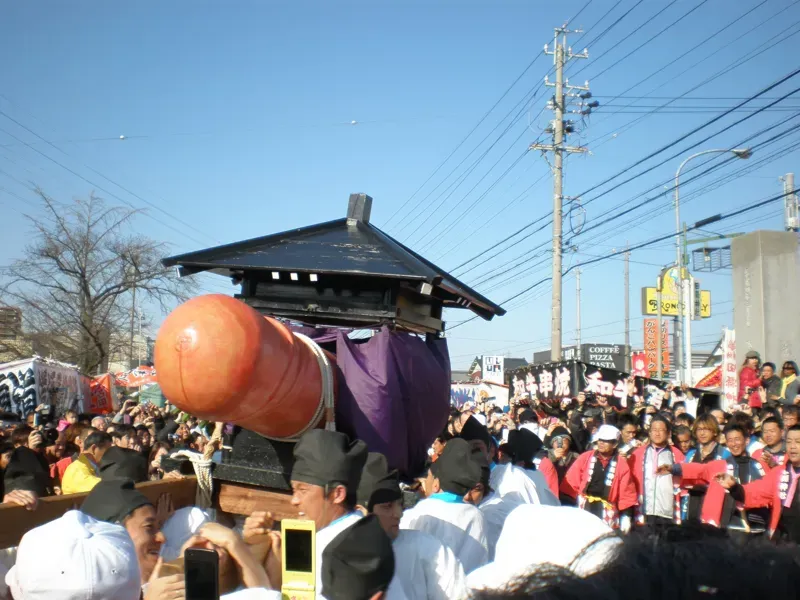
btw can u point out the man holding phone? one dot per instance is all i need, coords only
(325, 476)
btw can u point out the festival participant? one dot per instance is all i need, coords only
(117, 501)
(122, 463)
(82, 475)
(682, 438)
(444, 514)
(558, 460)
(718, 507)
(560, 537)
(600, 481)
(657, 497)
(778, 491)
(773, 454)
(706, 431)
(325, 476)
(514, 484)
(100, 423)
(425, 567)
(359, 564)
(73, 557)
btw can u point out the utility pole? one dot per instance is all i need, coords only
(578, 311)
(559, 128)
(133, 314)
(791, 216)
(628, 309)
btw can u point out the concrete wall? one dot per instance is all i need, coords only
(766, 290)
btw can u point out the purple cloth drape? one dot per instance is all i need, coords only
(394, 393)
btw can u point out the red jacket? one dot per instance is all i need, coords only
(759, 456)
(548, 469)
(622, 493)
(750, 378)
(765, 493)
(714, 500)
(637, 471)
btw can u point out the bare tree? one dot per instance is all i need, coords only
(80, 276)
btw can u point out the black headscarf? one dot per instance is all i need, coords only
(121, 463)
(456, 468)
(324, 457)
(113, 500)
(27, 470)
(378, 485)
(473, 430)
(525, 444)
(358, 563)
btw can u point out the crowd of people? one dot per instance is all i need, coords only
(535, 500)
(67, 455)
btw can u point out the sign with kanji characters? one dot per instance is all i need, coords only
(730, 380)
(651, 345)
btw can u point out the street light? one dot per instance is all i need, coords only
(683, 344)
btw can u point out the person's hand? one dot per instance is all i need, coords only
(219, 535)
(164, 509)
(24, 498)
(257, 527)
(725, 480)
(602, 401)
(762, 394)
(35, 440)
(171, 587)
(559, 452)
(768, 458)
(41, 407)
(664, 470)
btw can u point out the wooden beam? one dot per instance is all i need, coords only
(15, 521)
(241, 499)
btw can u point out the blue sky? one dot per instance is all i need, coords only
(237, 122)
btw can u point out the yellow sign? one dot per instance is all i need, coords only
(669, 302)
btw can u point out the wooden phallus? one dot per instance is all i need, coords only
(219, 359)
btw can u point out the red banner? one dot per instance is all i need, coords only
(651, 346)
(100, 401)
(639, 364)
(136, 377)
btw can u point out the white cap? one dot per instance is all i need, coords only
(75, 558)
(181, 526)
(606, 433)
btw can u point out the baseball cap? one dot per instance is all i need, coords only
(75, 557)
(753, 354)
(606, 433)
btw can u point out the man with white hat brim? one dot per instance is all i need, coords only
(601, 481)
(75, 557)
(536, 535)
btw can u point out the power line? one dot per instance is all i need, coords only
(76, 174)
(463, 141)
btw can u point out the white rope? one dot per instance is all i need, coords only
(326, 400)
(202, 469)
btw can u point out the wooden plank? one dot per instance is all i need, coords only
(15, 521)
(241, 499)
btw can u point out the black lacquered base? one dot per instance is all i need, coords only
(255, 460)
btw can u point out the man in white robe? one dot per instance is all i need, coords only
(533, 535)
(325, 476)
(426, 568)
(444, 514)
